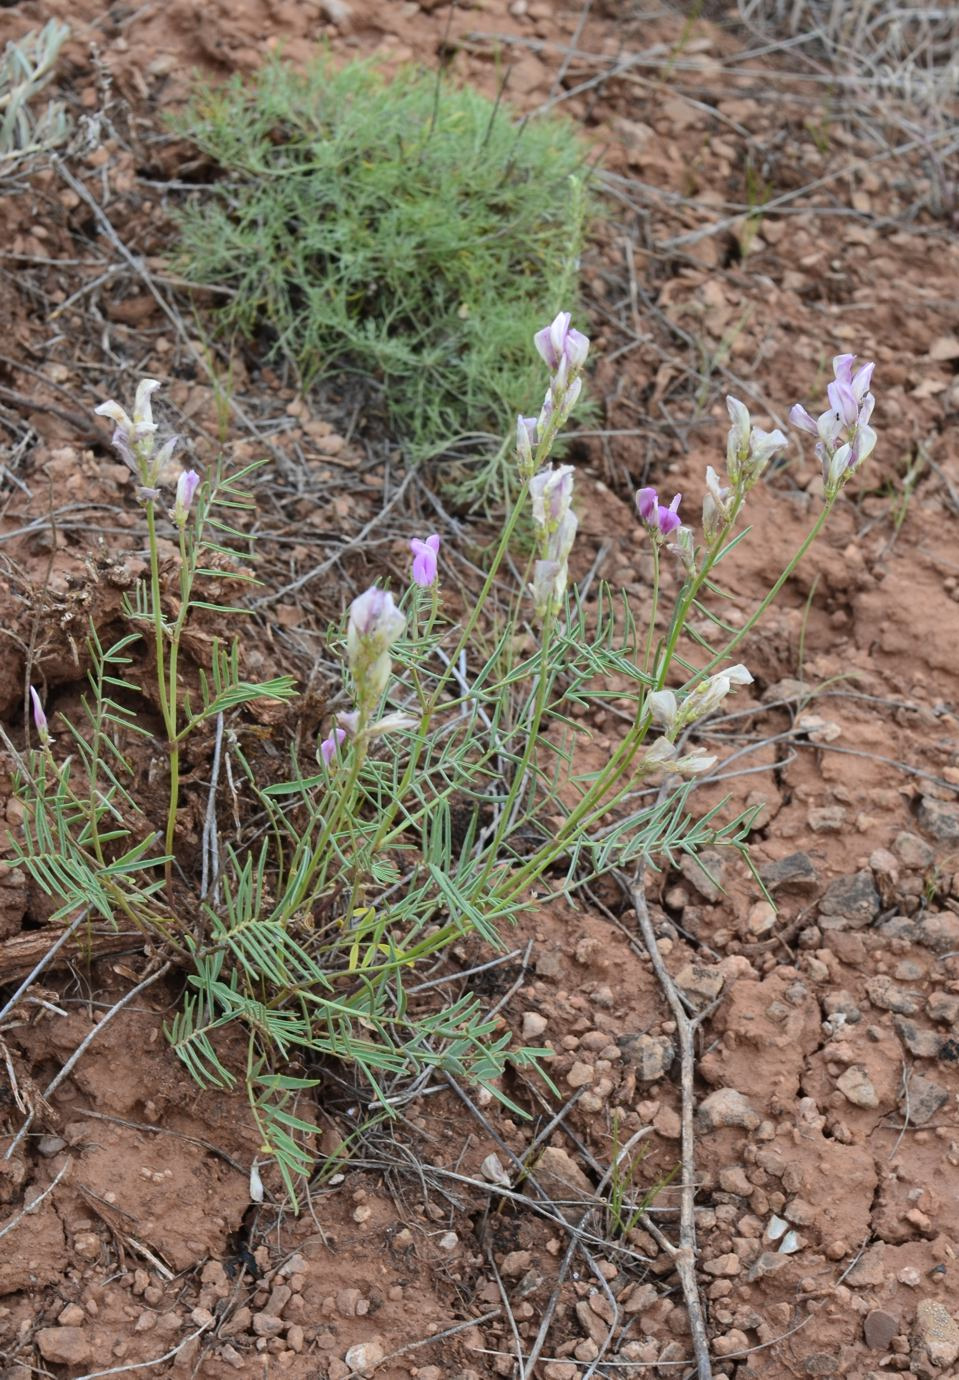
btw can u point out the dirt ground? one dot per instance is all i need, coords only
(828, 1070)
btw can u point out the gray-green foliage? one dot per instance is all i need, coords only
(406, 231)
(25, 69)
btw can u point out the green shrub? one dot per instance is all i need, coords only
(405, 231)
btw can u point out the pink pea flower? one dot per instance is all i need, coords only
(660, 520)
(647, 501)
(424, 560)
(330, 745)
(668, 519)
(844, 437)
(39, 718)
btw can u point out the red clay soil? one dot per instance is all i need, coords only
(828, 1072)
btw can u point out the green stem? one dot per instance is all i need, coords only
(176, 633)
(156, 610)
(654, 609)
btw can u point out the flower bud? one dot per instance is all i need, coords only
(424, 560)
(715, 507)
(695, 763)
(737, 443)
(374, 625)
(662, 705)
(39, 718)
(186, 487)
(548, 587)
(526, 441)
(330, 746)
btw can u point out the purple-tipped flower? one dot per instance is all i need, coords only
(424, 560)
(39, 718)
(330, 746)
(186, 487)
(647, 501)
(844, 436)
(558, 342)
(564, 352)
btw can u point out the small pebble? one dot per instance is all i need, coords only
(878, 1329)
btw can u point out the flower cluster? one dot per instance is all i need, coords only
(844, 436)
(551, 496)
(135, 438)
(374, 625)
(664, 755)
(749, 449)
(667, 711)
(563, 351)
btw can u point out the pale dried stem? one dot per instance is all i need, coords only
(684, 1256)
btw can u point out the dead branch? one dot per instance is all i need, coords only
(684, 1256)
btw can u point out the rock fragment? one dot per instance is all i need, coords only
(912, 851)
(938, 931)
(726, 1107)
(856, 1087)
(850, 903)
(704, 873)
(878, 1329)
(924, 1044)
(561, 1178)
(886, 995)
(651, 1056)
(702, 982)
(940, 818)
(796, 870)
(936, 1333)
(921, 1099)
(364, 1357)
(64, 1346)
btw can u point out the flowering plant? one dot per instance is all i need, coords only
(437, 793)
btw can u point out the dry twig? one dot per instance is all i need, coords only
(684, 1256)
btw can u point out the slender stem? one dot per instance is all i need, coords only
(156, 610)
(653, 609)
(176, 633)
